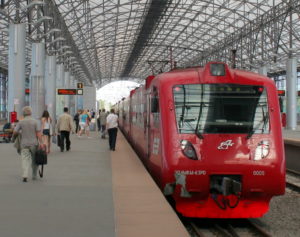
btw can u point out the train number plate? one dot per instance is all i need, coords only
(258, 172)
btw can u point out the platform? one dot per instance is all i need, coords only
(88, 191)
(291, 137)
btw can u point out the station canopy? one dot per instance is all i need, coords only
(102, 41)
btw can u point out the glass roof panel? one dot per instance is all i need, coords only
(111, 39)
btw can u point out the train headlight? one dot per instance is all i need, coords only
(188, 150)
(217, 69)
(262, 150)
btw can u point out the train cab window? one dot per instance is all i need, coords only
(221, 108)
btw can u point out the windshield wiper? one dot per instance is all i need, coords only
(199, 134)
(263, 122)
(181, 120)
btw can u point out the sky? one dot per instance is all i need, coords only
(115, 91)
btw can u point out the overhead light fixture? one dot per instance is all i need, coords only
(65, 53)
(32, 4)
(43, 18)
(65, 47)
(53, 30)
(57, 39)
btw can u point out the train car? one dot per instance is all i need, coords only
(211, 138)
(124, 116)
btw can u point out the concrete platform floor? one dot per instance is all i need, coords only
(79, 195)
(73, 199)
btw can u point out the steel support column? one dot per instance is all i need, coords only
(50, 85)
(263, 70)
(72, 97)
(89, 98)
(37, 84)
(60, 102)
(67, 86)
(16, 68)
(291, 90)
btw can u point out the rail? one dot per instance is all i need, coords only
(293, 180)
(228, 228)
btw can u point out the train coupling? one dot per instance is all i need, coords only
(225, 184)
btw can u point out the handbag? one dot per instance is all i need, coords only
(41, 159)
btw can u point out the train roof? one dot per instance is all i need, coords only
(203, 75)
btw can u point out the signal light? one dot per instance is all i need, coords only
(177, 89)
(217, 69)
(80, 85)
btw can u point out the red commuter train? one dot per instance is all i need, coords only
(210, 137)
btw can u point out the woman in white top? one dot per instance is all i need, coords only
(46, 130)
(112, 128)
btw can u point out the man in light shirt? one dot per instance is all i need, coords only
(112, 129)
(64, 127)
(31, 137)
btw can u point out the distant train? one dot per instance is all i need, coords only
(210, 137)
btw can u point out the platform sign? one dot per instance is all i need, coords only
(80, 85)
(79, 91)
(66, 91)
(281, 92)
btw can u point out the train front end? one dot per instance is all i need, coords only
(225, 150)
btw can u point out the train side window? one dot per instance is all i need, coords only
(154, 105)
(154, 101)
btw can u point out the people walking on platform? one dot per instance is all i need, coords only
(29, 131)
(76, 120)
(64, 127)
(102, 118)
(46, 130)
(112, 128)
(92, 115)
(84, 121)
(98, 121)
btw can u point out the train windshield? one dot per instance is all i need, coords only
(221, 108)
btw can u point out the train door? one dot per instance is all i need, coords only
(152, 118)
(147, 126)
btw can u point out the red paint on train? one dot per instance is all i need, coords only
(210, 137)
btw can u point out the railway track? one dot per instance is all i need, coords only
(293, 180)
(228, 228)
